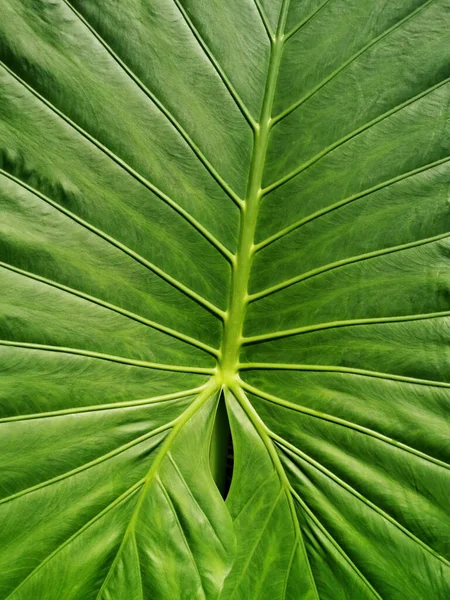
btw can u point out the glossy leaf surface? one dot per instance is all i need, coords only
(225, 216)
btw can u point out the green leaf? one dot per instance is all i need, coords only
(224, 257)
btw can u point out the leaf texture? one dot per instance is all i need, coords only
(224, 219)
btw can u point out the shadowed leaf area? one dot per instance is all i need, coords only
(225, 300)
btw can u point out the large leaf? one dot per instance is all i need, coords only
(236, 204)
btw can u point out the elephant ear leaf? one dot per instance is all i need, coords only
(224, 258)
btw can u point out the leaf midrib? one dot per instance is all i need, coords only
(239, 289)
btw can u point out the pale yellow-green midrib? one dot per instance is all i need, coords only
(228, 365)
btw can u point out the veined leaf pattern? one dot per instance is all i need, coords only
(224, 219)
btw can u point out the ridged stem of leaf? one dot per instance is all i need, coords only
(239, 292)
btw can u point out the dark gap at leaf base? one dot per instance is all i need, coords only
(221, 450)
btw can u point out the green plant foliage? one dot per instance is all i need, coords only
(225, 218)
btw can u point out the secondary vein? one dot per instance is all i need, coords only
(88, 465)
(266, 337)
(338, 548)
(114, 308)
(344, 423)
(124, 496)
(255, 419)
(265, 20)
(208, 391)
(109, 357)
(346, 63)
(308, 163)
(170, 117)
(342, 263)
(100, 407)
(124, 165)
(345, 201)
(292, 449)
(344, 370)
(112, 240)
(304, 21)
(231, 89)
